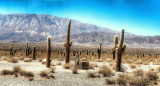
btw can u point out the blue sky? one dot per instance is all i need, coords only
(140, 17)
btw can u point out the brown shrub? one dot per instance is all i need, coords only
(105, 70)
(152, 75)
(52, 69)
(59, 63)
(75, 70)
(12, 60)
(110, 81)
(26, 73)
(139, 81)
(7, 72)
(91, 74)
(138, 72)
(44, 74)
(27, 60)
(68, 66)
(132, 66)
(122, 79)
(92, 65)
(17, 69)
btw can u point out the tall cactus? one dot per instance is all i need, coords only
(119, 50)
(34, 53)
(11, 51)
(99, 51)
(68, 44)
(48, 51)
(115, 46)
(27, 50)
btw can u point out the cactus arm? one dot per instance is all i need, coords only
(121, 40)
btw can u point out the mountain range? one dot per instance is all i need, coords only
(35, 28)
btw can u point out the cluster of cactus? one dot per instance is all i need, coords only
(120, 48)
(99, 51)
(48, 52)
(68, 44)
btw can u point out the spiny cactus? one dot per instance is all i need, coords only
(48, 51)
(99, 51)
(119, 50)
(34, 53)
(27, 50)
(68, 44)
(115, 45)
(11, 51)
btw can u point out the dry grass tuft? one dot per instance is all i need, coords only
(68, 66)
(110, 81)
(138, 72)
(152, 75)
(27, 60)
(59, 63)
(139, 81)
(75, 70)
(52, 69)
(44, 74)
(16, 69)
(26, 73)
(122, 79)
(7, 72)
(12, 60)
(106, 71)
(132, 66)
(91, 74)
(92, 65)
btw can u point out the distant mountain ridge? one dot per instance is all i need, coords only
(36, 28)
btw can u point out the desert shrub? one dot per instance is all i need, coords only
(138, 72)
(52, 69)
(158, 69)
(12, 60)
(132, 66)
(27, 60)
(7, 72)
(21, 58)
(16, 69)
(105, 70)
(122, 79)
(44, 74)
(152, 75)
(26, 73)
(91, 74)
(75, 70)
(92, 65)
(139, 81)
(68, 66)
(59, 63)
(110, 81)
(40, 59)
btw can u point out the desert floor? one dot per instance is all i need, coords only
(65, 77)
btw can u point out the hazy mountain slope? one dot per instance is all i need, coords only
(35, 28)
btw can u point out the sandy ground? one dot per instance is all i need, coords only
(63, 77)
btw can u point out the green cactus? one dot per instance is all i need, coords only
(68, 44)
(99, 51)
(119, 50)
(34, 53)
(48, 52)
(11, 51)
(115, 45)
